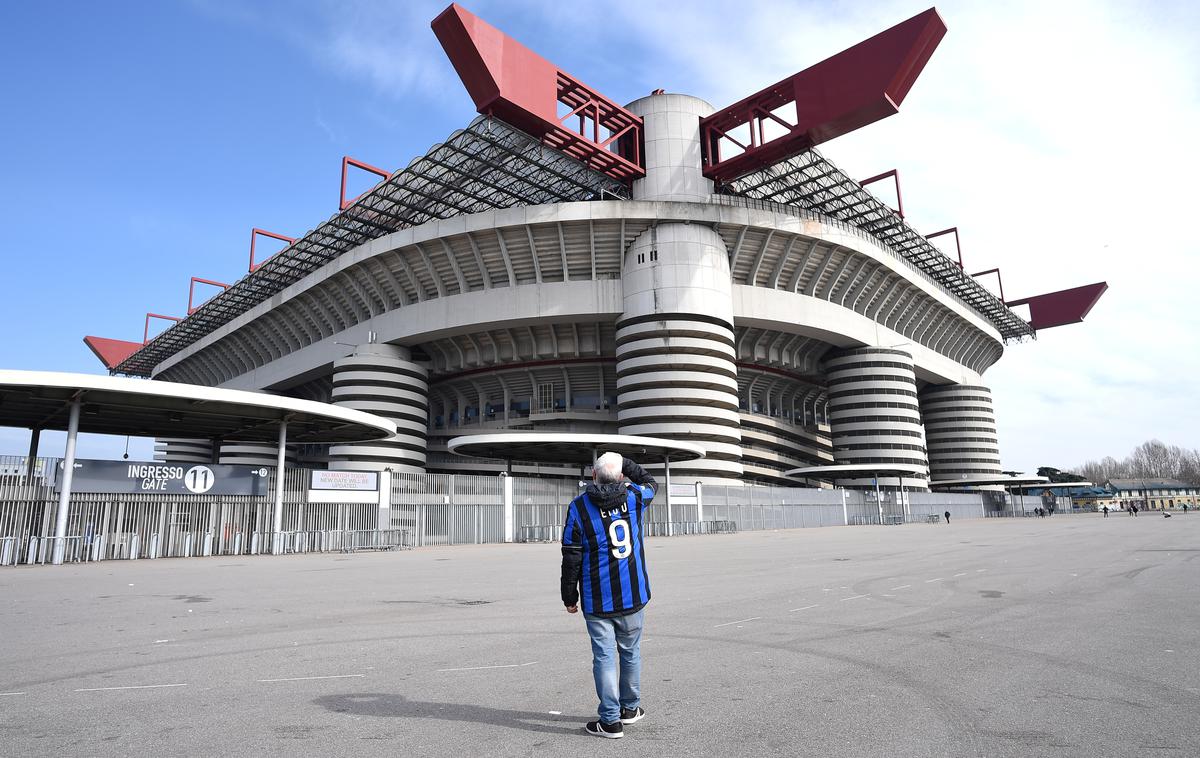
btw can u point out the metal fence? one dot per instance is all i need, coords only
(418, 510)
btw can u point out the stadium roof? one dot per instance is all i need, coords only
(486, 166)
(811, 182)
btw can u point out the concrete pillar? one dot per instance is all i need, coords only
(183, 450)
(960, 431)
(676, 376)
(252, 454)
(874, 416)
(384, 380)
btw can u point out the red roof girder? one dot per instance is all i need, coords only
(852, 89)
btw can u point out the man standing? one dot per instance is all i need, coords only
(603, 555)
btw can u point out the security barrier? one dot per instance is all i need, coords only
(414, 510)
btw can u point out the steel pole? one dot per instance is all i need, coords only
(279, 473)
(64, 491)
(878, 499)
(35, 436)
(667, 477)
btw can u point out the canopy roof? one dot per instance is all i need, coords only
(855, 470)
(990, 481)
(570, 447)
(116, 405)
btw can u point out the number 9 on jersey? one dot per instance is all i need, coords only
(618, 538)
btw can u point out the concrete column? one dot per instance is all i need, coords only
(874, 416)
(183, 450)
(960, 431)
(676, 376)
(251, 454)
(384, 380)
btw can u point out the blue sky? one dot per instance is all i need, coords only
(140, 142)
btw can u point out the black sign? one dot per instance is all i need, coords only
(171, 478)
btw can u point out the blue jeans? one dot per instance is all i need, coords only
(613, 638)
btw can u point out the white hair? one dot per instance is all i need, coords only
(608, 468)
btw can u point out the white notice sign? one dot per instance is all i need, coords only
(358, 481)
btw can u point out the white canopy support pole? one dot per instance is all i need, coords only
(35, 436)
(667, 477)
(64, 491)
(277, 537)
(878, 499)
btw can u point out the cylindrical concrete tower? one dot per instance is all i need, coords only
(676, 375)
(385, 380)
(874, 416)
(254, 454)
(183, 450)
(960, 431)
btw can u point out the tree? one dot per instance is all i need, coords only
(1150, 460)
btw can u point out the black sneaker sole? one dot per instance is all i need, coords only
(604, 734)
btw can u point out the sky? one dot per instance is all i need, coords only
(141, 141)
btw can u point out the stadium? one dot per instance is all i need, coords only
(665, 268)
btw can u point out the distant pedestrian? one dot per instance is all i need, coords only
(1133, 509)
(1106, 511)
(603, 556)
(1185, 509)
(946, 516)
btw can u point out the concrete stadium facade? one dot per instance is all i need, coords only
(774, 336)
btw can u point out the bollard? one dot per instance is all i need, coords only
(134, 544)
(153, 546)
(237, 544)
(207, 545)
(6, 551)
(254, 544)
(187, 546)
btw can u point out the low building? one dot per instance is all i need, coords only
(1153, 494)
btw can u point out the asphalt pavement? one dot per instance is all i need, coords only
(1068, 636)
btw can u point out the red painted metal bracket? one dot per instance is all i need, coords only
(995, 271)
(895, 175)
(856, 87)
(1062, 307)
(347, 162)
(192, 291)
(957, 246)
(515, 84)
(146, 331)
(253, 234)
(112, 353)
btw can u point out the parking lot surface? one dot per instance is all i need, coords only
(1069, 636)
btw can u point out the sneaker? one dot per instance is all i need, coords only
(613, 731)
(632, 716)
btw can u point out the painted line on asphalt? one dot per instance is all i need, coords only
(484, 668)
(805, 608)
(130, 687)
(962, 574)
(902, 587)
(854, 597)
(980, 571)
(306, 678)
(927, 581)
(729, 623)
(2, 694)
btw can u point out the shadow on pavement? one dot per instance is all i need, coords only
(398, 706)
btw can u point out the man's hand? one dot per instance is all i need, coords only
(572, 609)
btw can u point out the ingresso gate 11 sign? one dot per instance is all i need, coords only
(171, 478)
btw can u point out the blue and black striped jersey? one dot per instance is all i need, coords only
(607, 529)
